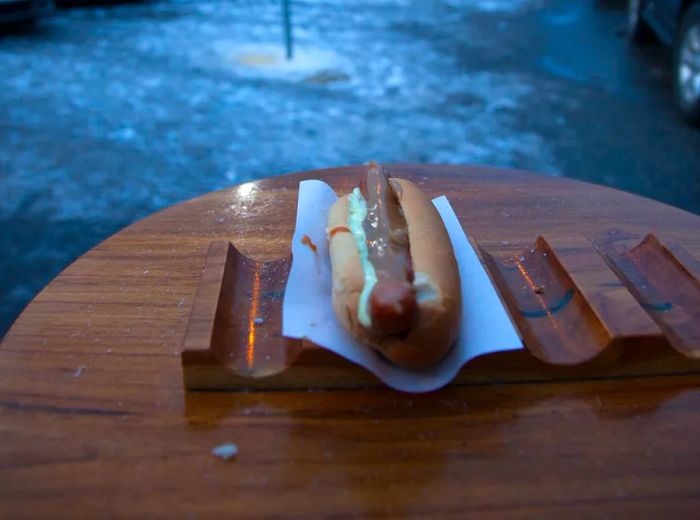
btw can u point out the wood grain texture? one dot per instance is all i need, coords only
(119, 438)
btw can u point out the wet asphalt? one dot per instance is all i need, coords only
(108, 114)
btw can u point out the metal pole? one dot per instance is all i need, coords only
(287, 19)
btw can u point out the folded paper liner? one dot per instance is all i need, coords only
(308, 309)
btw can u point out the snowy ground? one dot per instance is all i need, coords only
(108, 114)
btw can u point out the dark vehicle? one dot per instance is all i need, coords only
(675, 23)
(22, 11)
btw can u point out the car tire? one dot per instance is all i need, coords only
(638, 30)
(686, 66)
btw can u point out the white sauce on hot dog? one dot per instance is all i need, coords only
(356, 216)
(425, 291)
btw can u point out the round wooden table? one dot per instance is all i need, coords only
(94, 421)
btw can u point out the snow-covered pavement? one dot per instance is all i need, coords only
(108, 114)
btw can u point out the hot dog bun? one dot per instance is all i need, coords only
(436, 281)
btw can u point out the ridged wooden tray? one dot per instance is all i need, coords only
(627, 305)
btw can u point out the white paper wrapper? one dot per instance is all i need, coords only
(308, 310)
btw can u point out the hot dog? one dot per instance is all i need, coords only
(396, 284)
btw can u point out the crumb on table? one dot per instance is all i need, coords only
(225, 451)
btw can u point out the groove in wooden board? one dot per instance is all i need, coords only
(614, 306)
(236, 320)
(663, 277)
(556, 321)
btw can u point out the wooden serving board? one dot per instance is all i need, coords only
(623, 306)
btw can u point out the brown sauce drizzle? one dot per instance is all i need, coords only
(393, 305)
